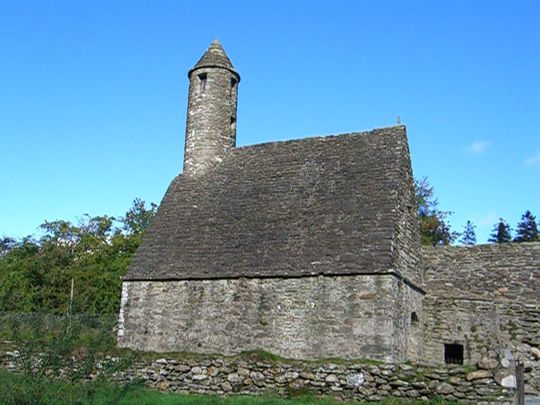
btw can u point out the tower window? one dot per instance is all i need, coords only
(453, 353)
(233, 84)
(414, 319)
(203, 80)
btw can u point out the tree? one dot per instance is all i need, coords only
(527, 229)
(138, 217)
(36, 274)
(434, 226)
(468, 237)
(501, 233)
(6, 245)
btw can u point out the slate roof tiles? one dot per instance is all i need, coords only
(323, 205)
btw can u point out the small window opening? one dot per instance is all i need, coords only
(233, 84)
(414, 319)
(203, 79)
(233, 123)
(453, 353)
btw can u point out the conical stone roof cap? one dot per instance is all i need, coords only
(215, 56)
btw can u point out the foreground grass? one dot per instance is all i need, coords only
(150, 398)
(19, 389)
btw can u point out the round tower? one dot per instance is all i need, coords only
(211, 115)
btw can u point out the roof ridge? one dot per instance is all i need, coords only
(310, 138)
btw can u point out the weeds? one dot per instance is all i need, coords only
(58, 354)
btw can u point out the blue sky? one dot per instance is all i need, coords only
(93, 95)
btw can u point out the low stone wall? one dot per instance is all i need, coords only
(360, 381)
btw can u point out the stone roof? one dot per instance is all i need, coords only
(507, 271)
(215, 56)
(324, 205)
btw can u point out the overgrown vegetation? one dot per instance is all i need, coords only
(23, 389)
(37, 274)
(60, 359)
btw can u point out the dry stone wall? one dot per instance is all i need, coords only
(360, 381)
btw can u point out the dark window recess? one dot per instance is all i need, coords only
(233, 84)
(203, 79)
(453, 353)
(414, 318)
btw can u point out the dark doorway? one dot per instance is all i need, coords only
(453, 353)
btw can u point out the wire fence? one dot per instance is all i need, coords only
(31, 329)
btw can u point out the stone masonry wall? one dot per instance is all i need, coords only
(408, 311)
(407, 230)
(485, 297)
(507, 272)
(303, 318)
(254, 375)
(504, 331)
(211, 118)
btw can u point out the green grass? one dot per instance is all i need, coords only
(170, 399)
(20, 390)
(251, 355)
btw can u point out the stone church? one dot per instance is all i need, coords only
(310, 249)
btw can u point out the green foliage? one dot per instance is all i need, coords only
(15, 391)
(468, 237)
(6, 244)
(36, 274)
(434, 226)
(501, 233)
(527, 229)
(138, 217)
(55, 354)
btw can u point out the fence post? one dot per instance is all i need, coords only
(520, 383)
(70, 308)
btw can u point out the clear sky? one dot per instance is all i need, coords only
(93, 95)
